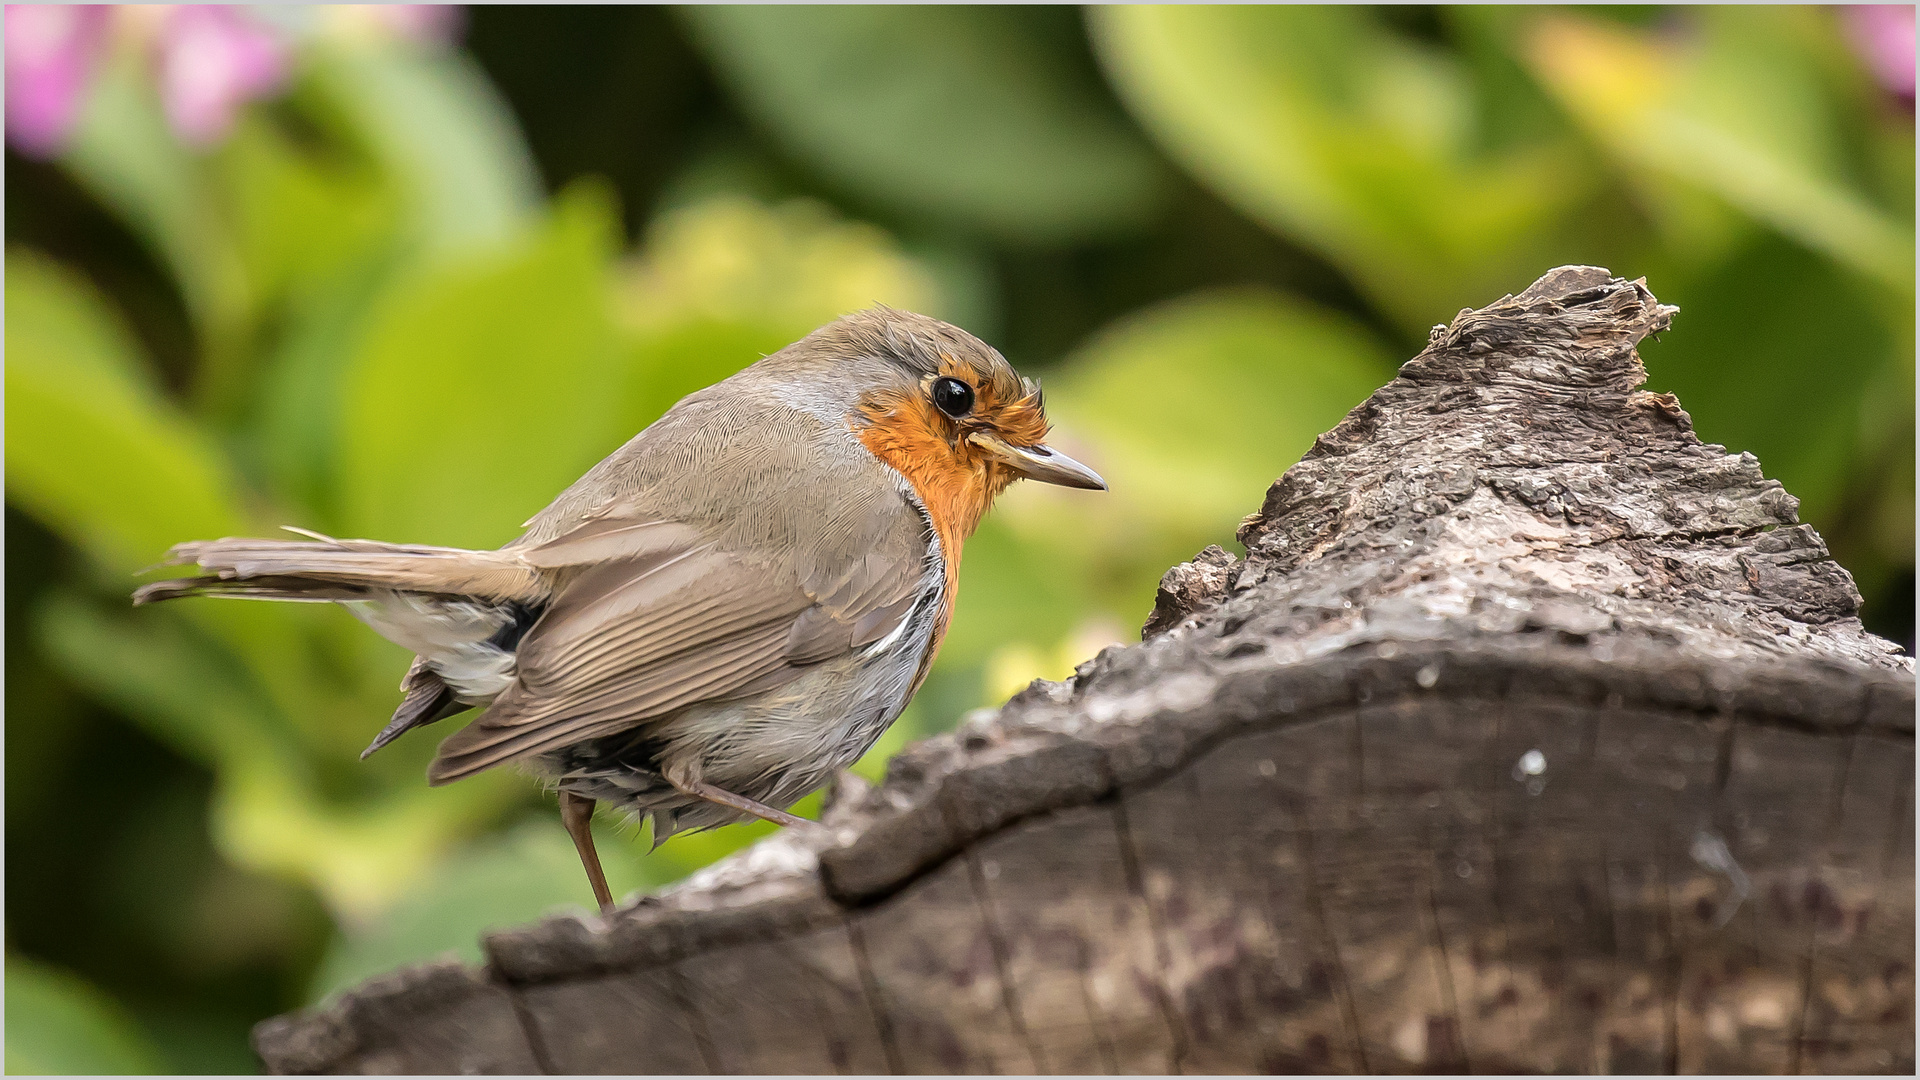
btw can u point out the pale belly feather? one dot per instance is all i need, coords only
(774, 747)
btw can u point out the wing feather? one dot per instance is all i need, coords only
(610, 709)
(602, 539)
(655, 619)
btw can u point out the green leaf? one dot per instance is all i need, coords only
(499, 881)
(514, 877)
(1015, 586)
(59, 1024)
(1195, 406)
(1190, 409)
(159, 674)
(126, 156)
(93, 450)
(668, 364)
(480, 390)
(792, 265)
(1743, 350)
(302, 216)
(124, 153)
(958, 113)
(98, 455)
(1740, 113)
(725, 281)
(291, 431)
(1363, 144)
(320, 229)
(272, 811)
(441, 131)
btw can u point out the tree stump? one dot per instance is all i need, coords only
(1531, 735)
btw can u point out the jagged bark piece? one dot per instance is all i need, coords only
(1532, 734)
(431, 1018)
(1191, 587)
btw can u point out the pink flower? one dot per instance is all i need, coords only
(214, 59)
(50, 52)
(420, 24)
(426, 23)
(1883, 36)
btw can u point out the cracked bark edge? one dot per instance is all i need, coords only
(891, 844)
(1510, 517)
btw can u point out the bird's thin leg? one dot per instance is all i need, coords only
(700, 789)
(577, 813)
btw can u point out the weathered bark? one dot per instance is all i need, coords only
(1532, 734)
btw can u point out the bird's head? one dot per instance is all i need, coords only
(949, 413)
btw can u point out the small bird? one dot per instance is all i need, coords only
(721, 615)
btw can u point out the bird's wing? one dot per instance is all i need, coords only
(650, 616)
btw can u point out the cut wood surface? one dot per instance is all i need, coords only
(1532, 734)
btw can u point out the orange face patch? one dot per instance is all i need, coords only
(1008, 406)
(955, 480)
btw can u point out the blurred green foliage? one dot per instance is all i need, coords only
(422, 291)
(951, 113)
(57, 1024)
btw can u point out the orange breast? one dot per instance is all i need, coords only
(955, 484)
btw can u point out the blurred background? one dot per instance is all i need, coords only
(405, 272)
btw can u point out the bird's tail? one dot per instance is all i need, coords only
(462, 611)
(323, 569)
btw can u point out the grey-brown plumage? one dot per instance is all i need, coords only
(739, 600)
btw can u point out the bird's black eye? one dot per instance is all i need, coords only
(954, 397)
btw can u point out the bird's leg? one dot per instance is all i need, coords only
(700, 789)
(577, 813)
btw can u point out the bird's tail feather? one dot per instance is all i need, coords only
(461, 611)
(324, 569)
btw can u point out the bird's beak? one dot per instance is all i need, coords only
(1042, 463)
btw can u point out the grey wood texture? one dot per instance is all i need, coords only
(1531, 735)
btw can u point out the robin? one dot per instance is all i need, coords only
(724, 613)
